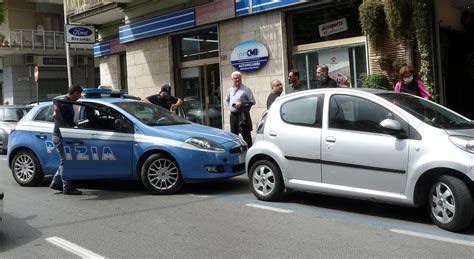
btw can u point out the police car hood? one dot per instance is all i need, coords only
(185, 131)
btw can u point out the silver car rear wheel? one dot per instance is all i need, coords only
(161, 175)
(266, 180)
(450, 203)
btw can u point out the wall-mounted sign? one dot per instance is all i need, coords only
(333, 27)
(80, 34)
(245, 7)
(249, 56)
(214, 11)
(51, 61)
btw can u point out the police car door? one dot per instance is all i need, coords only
(100, 146)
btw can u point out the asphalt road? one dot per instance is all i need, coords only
(211, 220)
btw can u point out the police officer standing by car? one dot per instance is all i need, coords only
(64, 117)
(165, 99)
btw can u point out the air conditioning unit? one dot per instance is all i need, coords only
(30, 60)
(81, 60)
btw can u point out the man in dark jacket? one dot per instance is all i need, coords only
(324, 81)
(276, 92)
(165, 99)
(64, 117)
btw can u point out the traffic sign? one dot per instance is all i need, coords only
(36, 73)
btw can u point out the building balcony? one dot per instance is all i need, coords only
(75, 7)
(31, 39)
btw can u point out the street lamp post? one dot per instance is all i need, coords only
(66, 44)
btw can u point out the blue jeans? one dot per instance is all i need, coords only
(58, 176)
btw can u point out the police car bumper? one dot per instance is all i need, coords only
(215, 166)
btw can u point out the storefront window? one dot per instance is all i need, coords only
(327, 23)
(349, 61)
(330, 35)
(199, 45)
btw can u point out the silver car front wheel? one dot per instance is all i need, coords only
(450, 203)
(266, 181)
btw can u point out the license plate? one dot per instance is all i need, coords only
(242, 158)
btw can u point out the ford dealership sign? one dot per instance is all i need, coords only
(249, 56)
(80, 34)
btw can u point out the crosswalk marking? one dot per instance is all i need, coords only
(433, 237)
(268, 208)
(73, 248)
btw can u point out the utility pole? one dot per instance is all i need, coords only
(66, 45)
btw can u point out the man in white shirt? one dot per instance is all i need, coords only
(239, 100)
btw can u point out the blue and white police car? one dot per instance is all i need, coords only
(124, 138)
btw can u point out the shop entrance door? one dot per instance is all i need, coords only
(200, 88)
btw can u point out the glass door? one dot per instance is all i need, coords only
(200, 88)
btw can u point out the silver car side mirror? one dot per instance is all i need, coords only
(393, 128)
(391, 124)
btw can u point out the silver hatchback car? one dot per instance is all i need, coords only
(367, 144)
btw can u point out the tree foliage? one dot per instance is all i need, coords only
(378, 81)
(372, 19)
(408, 21)
(399, 18)
(422, 12)
(2, 13)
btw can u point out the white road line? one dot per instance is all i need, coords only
(200, 196)
(73, 248)
(438, 238)
(268, 208)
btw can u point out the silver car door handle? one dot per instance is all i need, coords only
(272, 134)
(331, 140)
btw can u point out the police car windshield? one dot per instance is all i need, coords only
(428, 112)
(151, 114)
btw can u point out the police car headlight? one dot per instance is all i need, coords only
(205, 144)
(464, 143)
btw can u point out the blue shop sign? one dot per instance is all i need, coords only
(249, 56)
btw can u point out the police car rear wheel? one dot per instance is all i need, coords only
(161, 175)
(26, 169)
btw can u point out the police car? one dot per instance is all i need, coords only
(124, 138)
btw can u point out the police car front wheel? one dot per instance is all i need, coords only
(161, 175)
(26, 169)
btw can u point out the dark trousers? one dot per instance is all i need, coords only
(234, 128)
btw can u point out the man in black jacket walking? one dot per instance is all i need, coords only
(64, 117)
